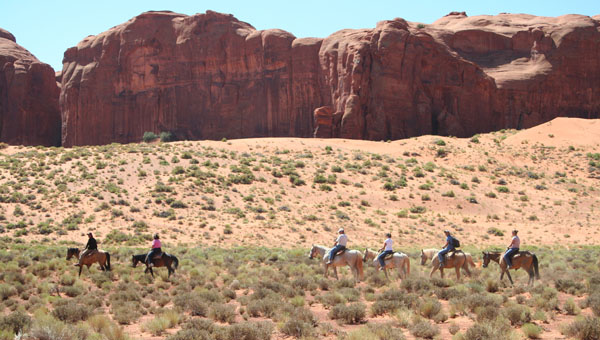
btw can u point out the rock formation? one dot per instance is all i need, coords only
(210, 76)
(29, 112)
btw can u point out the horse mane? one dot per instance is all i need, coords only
(72, 249)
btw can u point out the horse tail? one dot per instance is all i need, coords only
(359, 267)
(535, 267)
(470, 260)
(407, 266)
(107, 260)
(176, 261)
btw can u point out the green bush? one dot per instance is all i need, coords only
(149, 136)
(587, 328)
(531, 331)
(517, 314)
(250, 331)
(166, 136)
(424, 329)
(222, 312)
(15, 322)
(349, 314)
(71, 312)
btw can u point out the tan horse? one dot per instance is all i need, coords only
(100, 257)
(459, 260)
(524, 259)
(400, 261)
(351, 258)
(428, 254)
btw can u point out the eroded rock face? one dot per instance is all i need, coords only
(206, 76)
(210, 76)
(29, 112)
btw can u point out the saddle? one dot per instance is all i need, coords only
(453, 252)
(158, 256)
(389, 256)
(340, 252)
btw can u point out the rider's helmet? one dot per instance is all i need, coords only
(156, 236)
(341, 231)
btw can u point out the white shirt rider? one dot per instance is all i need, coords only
(342, 240)
(388, 245)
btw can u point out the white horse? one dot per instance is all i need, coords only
(400, 261)
(351, 258)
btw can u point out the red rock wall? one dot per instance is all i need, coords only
(210, 76)
(29, 112)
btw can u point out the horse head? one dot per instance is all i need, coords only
(423, 257)
(312, 252)
(72, 252)
(365, 255)
(486, 259)
(134, 261)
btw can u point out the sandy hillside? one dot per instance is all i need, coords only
(293, 192)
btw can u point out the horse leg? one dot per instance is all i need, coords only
(151, 272)
(326, 270)
(509, 278)
(335, 273)
(433, 271)
(80, 268)
(457, 269)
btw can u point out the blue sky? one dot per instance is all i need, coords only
(47, 28)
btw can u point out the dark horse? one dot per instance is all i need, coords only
(101, 257)
(524, 259)
(163, 261)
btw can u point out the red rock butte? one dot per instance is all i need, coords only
(210, 76)
(29, 112)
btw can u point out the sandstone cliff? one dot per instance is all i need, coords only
(210, 76)
(29, 112)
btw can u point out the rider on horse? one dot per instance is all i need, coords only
(385, 250)
(156, 249)
(340, 244)
(449, 246)
(513, 248)
(90, 247)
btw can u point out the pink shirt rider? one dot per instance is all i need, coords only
(156, 244)
(515, 243)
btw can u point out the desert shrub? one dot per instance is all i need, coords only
(453, 328)
(126, 313)
(517, 314)
(593, 301)
(376, 332)
(266, 307)
(349, 314)
(531, 331)
(191, 334)
(45, 327)
(250, 331)
(149, 136)
(331, 299)
(166, 136)
(430, 307)
(488, 331)
(15, 322)
(424, 329)
(587, 328)
(381, 307)
(7, 291)
(416, 284)
(222, 312)
(156, 326)
(71, 312)
(571, 307)
(297, 328)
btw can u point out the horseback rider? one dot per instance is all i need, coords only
(513, 248)
(90, 247)
(340, 244)
(449, 246)
(385, 250)
(156, 249)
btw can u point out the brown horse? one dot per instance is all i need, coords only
(458, 261)
(165, 260)
(100, 257)
(524, 259)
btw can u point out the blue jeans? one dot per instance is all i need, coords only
(509, 254)
(334, 251)
(151, 254)
(382, 256)
(444, 252)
